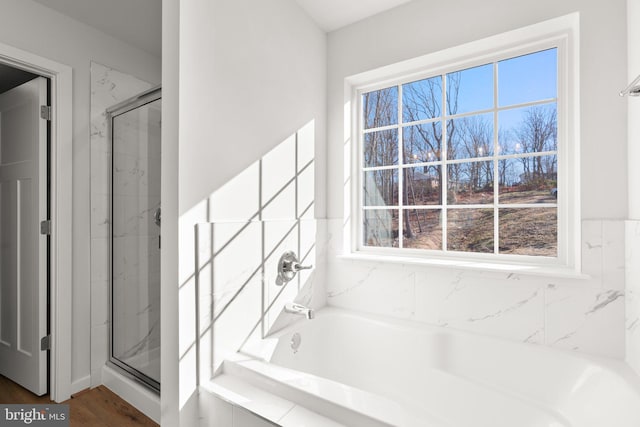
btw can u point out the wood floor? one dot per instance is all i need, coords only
(98, 407)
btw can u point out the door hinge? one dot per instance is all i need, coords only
(45, 227)
(45, 343)
(45, 112)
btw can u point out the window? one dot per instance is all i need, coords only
(466, 160)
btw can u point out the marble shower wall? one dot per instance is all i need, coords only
(108, 87)
(136, 236)
(582, 314)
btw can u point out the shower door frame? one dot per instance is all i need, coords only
(137, 101)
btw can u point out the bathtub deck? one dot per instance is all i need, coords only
(268, 406)
(445, 401)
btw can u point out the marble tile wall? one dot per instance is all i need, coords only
(632, 321)
(586, 315)
(239, 233)
(239, 300)
(136, 244)
(108, 87)
(581, 314)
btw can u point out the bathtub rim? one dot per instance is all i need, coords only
(613, 367)
(618, 366)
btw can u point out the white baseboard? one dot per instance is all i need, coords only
(81, 384)
(134, 393)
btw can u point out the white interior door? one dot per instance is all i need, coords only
(23, 250)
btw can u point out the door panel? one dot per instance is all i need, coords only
(23, 251)
(27, 246)
(7, 264)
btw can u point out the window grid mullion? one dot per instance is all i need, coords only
(462, 115)
(500, 109)
(496, 166)
(444, 168)
(361, 174)
(400, 172)
(380, 168)
(379, 129)
(476, 206)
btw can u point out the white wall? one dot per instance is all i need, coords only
(32, 27)
(633, 224)
(170, 315)
(251, 74)
(254, 73)
(578, 314)
(633, 52)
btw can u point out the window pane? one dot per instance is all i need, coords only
(470, 90)
(381, 188)
(470, 183)
(422, 100)
(529, 231)
(380, 107)
(423, 185)
(380, 227)
(470, 137)
(381, 148)
(532, 179)
(470, 230)
(422, 143)
(528, 78)
(408, 168)
(528, 130)
(422, 229)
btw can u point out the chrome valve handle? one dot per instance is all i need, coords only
(296, 266)
(288, 266)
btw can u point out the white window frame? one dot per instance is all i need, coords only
(560, 33)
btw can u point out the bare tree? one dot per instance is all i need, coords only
(380, 109)
(424, 143)
(421, 143)
(380, 149)
(537, 133)
(474, 140)
(505, 169)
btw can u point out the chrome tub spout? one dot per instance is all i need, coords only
(299, 309)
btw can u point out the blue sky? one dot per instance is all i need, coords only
(527, 78)
(522, 79)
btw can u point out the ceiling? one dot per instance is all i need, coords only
(331, 15)
(139, 22)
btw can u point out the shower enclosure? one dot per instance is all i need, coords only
(134, 298)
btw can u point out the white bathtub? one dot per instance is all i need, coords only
(362, 370)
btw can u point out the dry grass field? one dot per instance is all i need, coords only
(523, 231)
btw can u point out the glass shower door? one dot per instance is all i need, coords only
(136, 240)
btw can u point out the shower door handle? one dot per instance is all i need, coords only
(157, 216)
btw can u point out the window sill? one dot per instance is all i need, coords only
(473, 265)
